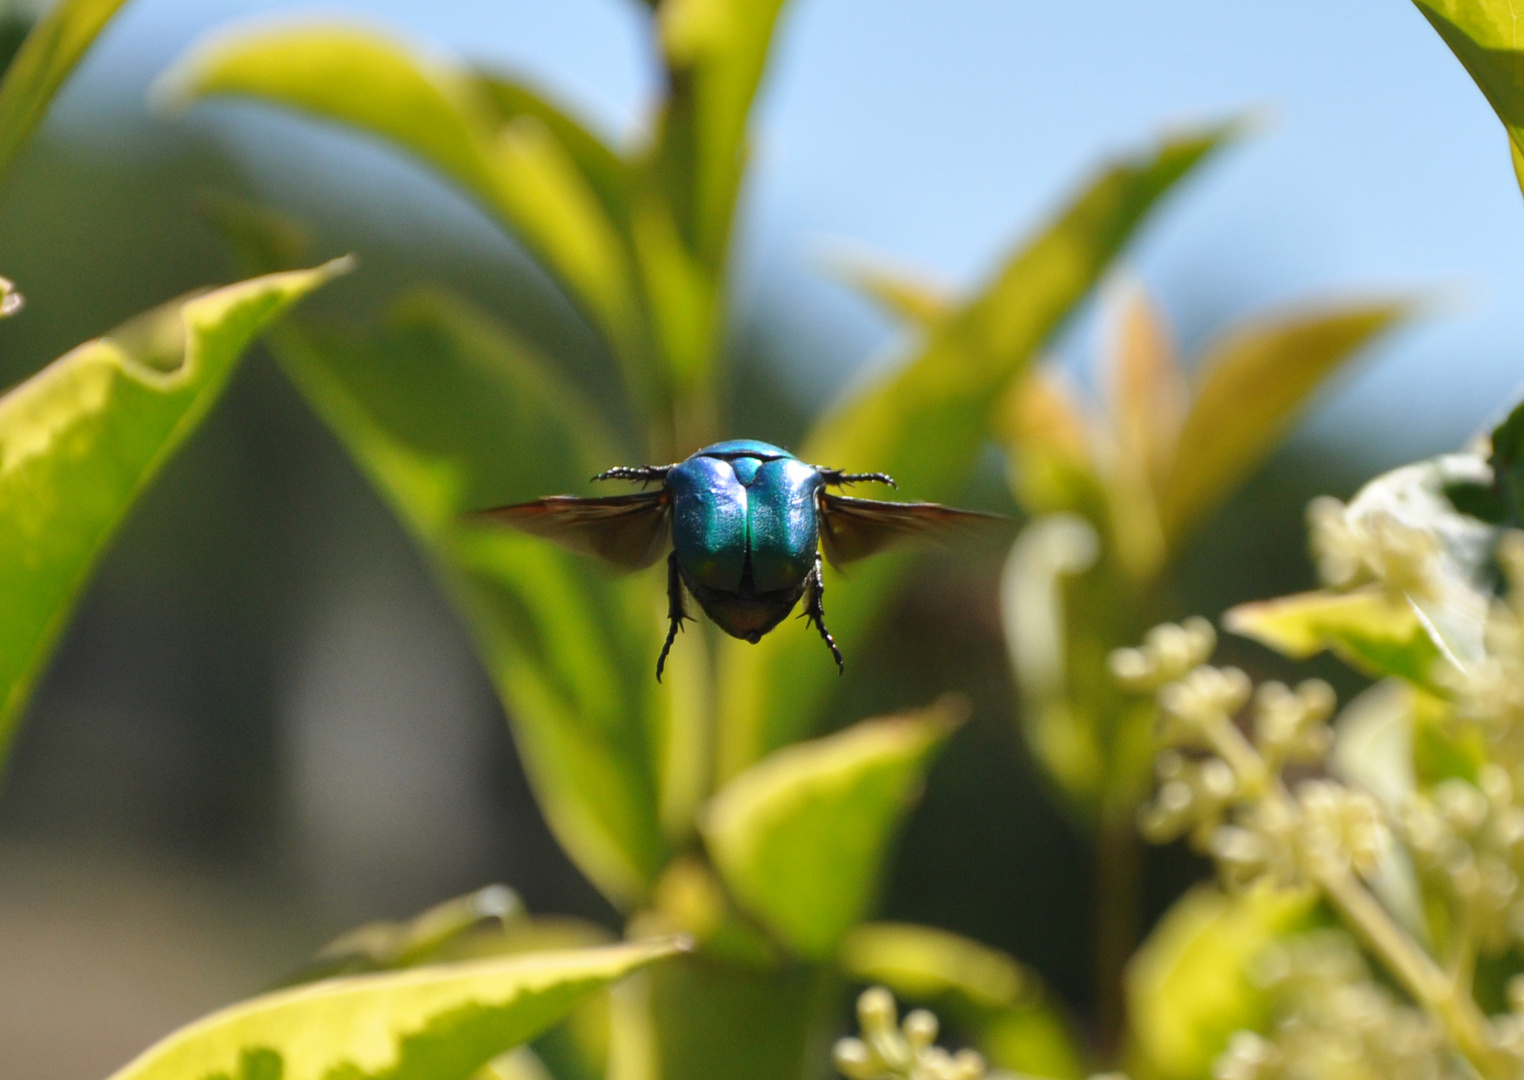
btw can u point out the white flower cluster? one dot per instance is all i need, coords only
(1331, 1021)
(1489, 692)
(1467, 841)
(1168, 652)
(1225, 791)
(890, 1050)
(1351, 549)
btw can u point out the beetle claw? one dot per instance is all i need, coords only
(676, 614)
(837, 478)
(814, 611)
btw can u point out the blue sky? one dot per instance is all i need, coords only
(938, 131)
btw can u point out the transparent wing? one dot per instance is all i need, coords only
(852, 529)
(629, 531)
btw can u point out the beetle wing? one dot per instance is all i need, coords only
(629, 531)
(852, 529)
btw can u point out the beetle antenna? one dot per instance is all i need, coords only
(837, 478)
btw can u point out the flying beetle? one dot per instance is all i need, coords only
(742, 524)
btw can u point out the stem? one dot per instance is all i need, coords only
(1118, 866)
(1439, 995)
(1436, 992)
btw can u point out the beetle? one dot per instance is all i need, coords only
(742, 523)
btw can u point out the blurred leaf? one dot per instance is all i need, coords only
(518, 1064)
(715, 52)
(11, 301)
(1366, 628)
(603, 169)
(447, 412)
(905, 296)
(801, 838)
(998, 1001)
(1146, 398)
(1373, 749)
(1044, 429)
(497, 141)
(55, 45)
(689, 900)
(433, 1023)
(1252, 384)
(1037, 635)
(1146, 391)
(1188, 987)
(82, 438)
(926, 422)
(1483, 34)
(1411, 506)
(710, 1020)
(1506, 460)
(385, 946)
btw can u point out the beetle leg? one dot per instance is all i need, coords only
(814, 611)
(646, 474)
(836, 478)
(676, 614)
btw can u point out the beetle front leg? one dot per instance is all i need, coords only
(646, 474)
(814, 610)
(676, 614)
(837, 478)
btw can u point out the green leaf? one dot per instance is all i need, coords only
(82, 438)
(1366, 628)
(1188, 987)
(546, 177)
(712, 1020)
(926, 423)
(1483, 34)
(1507, 463)
(801, 838)
(900, 293)
(57, 42)
(447, 412)
(1252, 384)
(715, 52)
(433, 1023)
(604, 170)
(385, 946)
(990, 996)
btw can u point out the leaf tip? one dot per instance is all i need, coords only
(344, 264)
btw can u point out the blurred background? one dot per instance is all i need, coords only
(266, 726)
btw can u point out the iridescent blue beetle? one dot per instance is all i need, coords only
(746, 521)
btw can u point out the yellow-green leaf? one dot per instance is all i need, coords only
(715, 52)
(712, 1020)
(502, 147)
(1484, 35)
(907, 296)
(432, 1023)
(82, 438)
(926, 422)
(1251, 386)
(1188, 987)
(1366, 628)
(989, 995)
(1046, 435)
(448, 412)
(801, 838)
(55, 45)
